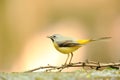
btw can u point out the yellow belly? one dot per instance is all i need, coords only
(66, 50)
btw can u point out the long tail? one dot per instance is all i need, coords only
(102, 38)
(82, 42)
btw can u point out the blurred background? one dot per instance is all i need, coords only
(24, 25)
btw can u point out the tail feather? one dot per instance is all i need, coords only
(102, 38)
(82, 42)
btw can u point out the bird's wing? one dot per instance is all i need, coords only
(68, 43)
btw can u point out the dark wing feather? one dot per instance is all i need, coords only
(68, 43)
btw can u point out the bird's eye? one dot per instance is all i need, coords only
(54, 36)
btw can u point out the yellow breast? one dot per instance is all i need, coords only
(66, 50)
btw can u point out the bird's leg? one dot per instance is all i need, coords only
(66, 60)
(71, 58)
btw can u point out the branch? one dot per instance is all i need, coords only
(90, 64)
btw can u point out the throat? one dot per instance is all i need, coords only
(52, 40)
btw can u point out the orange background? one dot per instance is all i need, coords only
(24, 25)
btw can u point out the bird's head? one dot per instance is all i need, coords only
(54, 37)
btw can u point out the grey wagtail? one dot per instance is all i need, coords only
(67, 45)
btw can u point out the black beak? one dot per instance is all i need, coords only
(49, 37)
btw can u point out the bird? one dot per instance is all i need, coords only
(68, 45)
